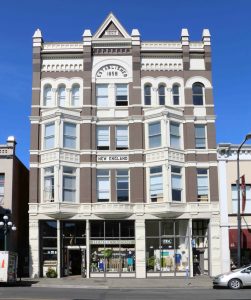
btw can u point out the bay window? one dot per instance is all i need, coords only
(154, 135)
(70, 137)
(49, 136)
(176, 182)
(69, 184)
(49, 184)
(175, 135)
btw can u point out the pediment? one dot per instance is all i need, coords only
(111, 28)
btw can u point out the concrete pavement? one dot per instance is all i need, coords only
(120, 283)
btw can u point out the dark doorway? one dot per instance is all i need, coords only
(75, 258)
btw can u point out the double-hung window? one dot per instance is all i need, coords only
(121, 95)
(175, 135)
(1, 188)
(247, 202)
(156, 184)
(49, 184)
(61, 96)
(198, 93)
(121, 137)
(176, 94)
(162, 96)
(102, 94)
(103, 185)
(49, 136)
(70, 136)
(154, 135)
(202, 185)
(75, 95)
(147, 94)
(103, 138)
(122, 179)
(48, 101)
(69, 184)
(176, 181)
(200, 136)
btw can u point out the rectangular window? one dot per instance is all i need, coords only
(202, 185)
(200, 136)
(175, 135)
(176, 180)
(156, 184)
(154, 135)
(247, 209)
(70, 136)
(103, 185)
(103, 141)
(49, 184)
(121, 137)
(121, 95)
(1, 188)
(69, 184)
(49, 136)
(122, 185)
(102, 94)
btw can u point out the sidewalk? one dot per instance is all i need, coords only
(120, 283)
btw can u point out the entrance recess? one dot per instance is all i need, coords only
(75, 261)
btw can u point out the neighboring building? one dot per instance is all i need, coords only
(123, 166)
(14, 195)
(227, 167)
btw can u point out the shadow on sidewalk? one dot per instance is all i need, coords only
(18, 283)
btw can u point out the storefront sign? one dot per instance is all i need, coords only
(168, 243)
(113, 158)
(112, 71)
(112, 242)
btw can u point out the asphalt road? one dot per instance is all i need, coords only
(25, 293)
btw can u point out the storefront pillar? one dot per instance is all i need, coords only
(190, 235)
(214, 245)
(87, 249)
(140, 247)
(58, 250)
(34, 261)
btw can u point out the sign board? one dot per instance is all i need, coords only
(112, 158)
(112, 242)
(8, 266)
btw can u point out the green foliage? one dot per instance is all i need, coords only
(107, 253)
(51, 273)
(151, 261)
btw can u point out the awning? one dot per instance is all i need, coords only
(245, 238)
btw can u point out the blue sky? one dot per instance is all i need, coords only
(229, 22)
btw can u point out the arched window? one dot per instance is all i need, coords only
(61, 95)
(198, 93)
(161, 91)
(147, 94)
(48, 96)
(75, 95)
(176, 94)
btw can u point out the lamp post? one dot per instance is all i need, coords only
(248, 137)
(6, 226)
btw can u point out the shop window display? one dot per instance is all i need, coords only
(115, 250)
(167, 246)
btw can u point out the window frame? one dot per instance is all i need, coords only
(147, 97)
(155, 173)
(152, 136)
(104, 147)
(106, 96)
(120, 189)
(70, 175)
(51, 191)
(176, 95)
(46, 138)
(73, 97)
(71, 137)
(45, 98)
(108, 191)
(202, 197)
(125, 147)
(199, 138)
(201, 100)
(61, 98)
(2, 187)
(123, 102)
(174, 136)
(236, 199)
(162, 97)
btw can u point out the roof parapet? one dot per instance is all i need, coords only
(87, 37)
(206, 37)
(37, 38)
(135, 37)
(184, 37)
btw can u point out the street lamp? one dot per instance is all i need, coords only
(248, 137)
(6, 226)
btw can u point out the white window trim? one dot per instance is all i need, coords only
(77, 134)
(129, 185)
(43, 135)
(109, 172)
(109, 136)
(77, 175)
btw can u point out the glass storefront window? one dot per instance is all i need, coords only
(114, 251)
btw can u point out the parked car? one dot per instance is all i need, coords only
(234, 279)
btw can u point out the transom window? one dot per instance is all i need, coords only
(147, 94)
(49, 136)
(175, 135)
(122, 185)
(162, 95)
(103, 140)
(202, 185)
(121, 137)
(69, 184)
(200, 136)
(176, 94)
(156, 184)
(70, 136)
(121, 95)
(198, 93)
(154, 135)
(102, 94)
(176, 181)
(103, 185)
